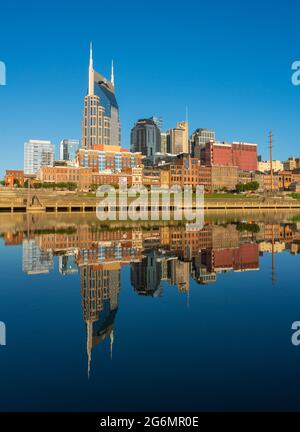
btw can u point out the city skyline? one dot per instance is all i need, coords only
(240, 95)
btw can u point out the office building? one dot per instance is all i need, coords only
(291, 164)
(112, 158)
(37, 153)
(100, 120)
(158, 121)
(35, 260)
(68, 149)
(177, 139)
(199, 138)
(265, 166)
(241, 155)
(67, 264)
(145, 275)
(100, 287)
(146, 138)
(163, 143)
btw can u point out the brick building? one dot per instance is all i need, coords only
(64, 174)
(241, 155)
(103, 157)
(224, 177)
(13, 177)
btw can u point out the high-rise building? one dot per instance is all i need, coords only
(100, 120)
(37, 153)
(146, 275)
(68, 149)
(178, 139)
(198, 140)
(146, 138)
(163, 143)
(100, 287)
(35, 260)
(158, 121)
(67, 264)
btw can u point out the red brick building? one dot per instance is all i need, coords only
(13, 177)
(241, 155)
(64, 174)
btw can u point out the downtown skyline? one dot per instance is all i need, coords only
(239, 88)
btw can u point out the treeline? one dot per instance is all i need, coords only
(55, 186)
(245, 187)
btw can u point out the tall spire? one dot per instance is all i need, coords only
(112, 78)
(91, 72)
(111, 343)
(91, 55)
(89, 342)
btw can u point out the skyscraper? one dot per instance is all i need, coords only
(198, 140)
(37, 153)
(178, 139)
(68, 149)
(100, 287)
(35, 260)
(146, 138)
(100, 120)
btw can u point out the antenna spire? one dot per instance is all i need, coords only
(112, 78)
(91, 54)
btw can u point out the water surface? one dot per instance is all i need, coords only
(149, 318)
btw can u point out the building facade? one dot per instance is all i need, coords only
(100, 120)
(66, 174)
(265, 166)
(199, 138)
(291, 164)
(68, 149)
(14, 177)
(241, 155)
(146, 138)
(113, 158)
(178, 139)
(37, 153)
(224, 177)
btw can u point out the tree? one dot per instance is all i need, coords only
(243, 187)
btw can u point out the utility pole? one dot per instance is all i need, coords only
(273, 257)
(271, 160)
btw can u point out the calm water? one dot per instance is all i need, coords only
(153, 318)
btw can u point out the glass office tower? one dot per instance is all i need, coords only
(100, 120)
(68, 149)
(37, 153)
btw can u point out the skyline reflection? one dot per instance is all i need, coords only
(156, 255)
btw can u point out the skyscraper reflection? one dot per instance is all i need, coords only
(158, 256)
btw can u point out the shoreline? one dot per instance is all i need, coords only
(91, 207)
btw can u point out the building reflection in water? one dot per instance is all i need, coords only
(100, 287)
(156, 255)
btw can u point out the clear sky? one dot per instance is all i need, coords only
(228, 61)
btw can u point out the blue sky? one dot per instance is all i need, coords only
(229, 62)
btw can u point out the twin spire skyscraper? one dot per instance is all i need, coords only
(100, 120)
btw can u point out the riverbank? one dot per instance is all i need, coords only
(20, 201)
